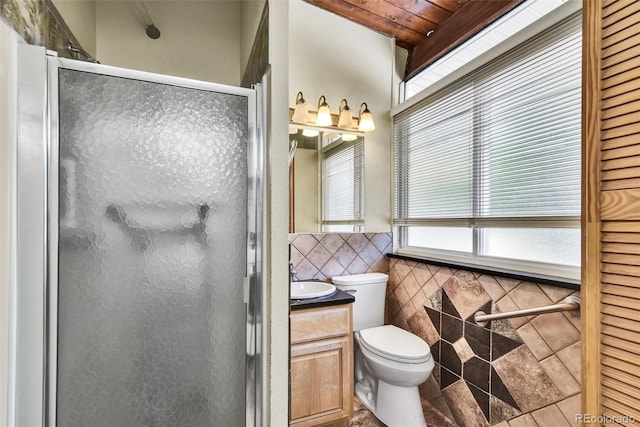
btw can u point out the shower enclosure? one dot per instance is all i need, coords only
(140, 248)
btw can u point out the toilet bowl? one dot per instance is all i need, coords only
(390, 363)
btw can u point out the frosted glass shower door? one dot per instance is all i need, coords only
(151, 323)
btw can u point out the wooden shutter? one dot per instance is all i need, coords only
(611, 208)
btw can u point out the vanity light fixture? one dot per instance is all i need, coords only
(345, 119)
(341, 124)
(324, 114)
(366, 119)
(301, 113)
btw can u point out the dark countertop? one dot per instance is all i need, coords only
(337, 298)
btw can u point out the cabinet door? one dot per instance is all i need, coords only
(611, 209)
(321, 381)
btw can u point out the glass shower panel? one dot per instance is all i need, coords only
(152, 254)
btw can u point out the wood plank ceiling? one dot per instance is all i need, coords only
(427, 29)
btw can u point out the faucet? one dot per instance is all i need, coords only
(292, 272)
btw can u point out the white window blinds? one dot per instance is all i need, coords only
(503, 142)
(343, 185)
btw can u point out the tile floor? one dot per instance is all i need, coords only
(362, 417)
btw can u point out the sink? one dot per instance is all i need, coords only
(304, 290)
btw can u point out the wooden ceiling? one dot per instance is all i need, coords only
(428, 29)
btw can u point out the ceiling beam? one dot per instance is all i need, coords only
(465, 23)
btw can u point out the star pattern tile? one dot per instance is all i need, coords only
(465, 353)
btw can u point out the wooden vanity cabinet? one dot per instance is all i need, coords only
(321, 371)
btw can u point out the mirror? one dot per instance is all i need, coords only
(326, 183)
(304, 184)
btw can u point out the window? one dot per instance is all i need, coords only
(503, 29)
(343, 186)
(487, 169)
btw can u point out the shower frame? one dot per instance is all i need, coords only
(34, 308)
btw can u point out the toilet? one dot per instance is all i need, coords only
(390, 363)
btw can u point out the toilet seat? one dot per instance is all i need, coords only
(393, 343)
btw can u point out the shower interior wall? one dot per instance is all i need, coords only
(195, 35)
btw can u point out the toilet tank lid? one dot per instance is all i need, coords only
(360, 279)
(396, 343)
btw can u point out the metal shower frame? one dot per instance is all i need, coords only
(33, 355)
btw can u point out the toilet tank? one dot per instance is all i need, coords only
(369, 289)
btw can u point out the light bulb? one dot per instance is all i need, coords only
(324, 114)
(301, 112)
(345, 120)
(366, 119)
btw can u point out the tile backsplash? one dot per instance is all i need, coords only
(521, 371)
(324, 255)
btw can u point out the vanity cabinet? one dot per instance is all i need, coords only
(321, 370)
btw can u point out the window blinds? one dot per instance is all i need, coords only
(501, 142)
(343, 183)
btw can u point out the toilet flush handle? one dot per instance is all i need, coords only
(351, 291)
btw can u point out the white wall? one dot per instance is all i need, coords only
(199, 39)
(334, 57)
(277, 298)
(80, 17)
(8, 95)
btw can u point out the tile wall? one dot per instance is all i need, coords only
(518, 372)
(38, 23)
(324, 255)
